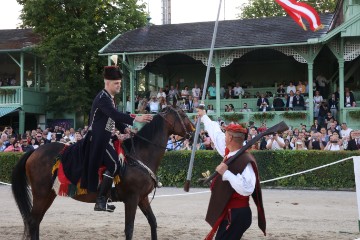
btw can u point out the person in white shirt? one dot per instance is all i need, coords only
(238, 91)
(345, 131)
(291, 87)
(154, 105)
(161, 93)
(195, 91)
(235, 185)
(275, 142)
(335, 144)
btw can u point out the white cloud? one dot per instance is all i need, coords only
(9, 14)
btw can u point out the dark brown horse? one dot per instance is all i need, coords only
(147, 148)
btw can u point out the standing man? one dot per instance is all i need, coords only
(229, 213)
(104, 117)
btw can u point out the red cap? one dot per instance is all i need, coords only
(235, 128)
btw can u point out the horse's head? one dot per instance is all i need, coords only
(178, 121)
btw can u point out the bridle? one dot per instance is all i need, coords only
(163, 114)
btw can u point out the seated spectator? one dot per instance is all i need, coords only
(263, 103)
(245, 108)
(354, 141)
(185, 145)
(281, 91)
(329, 118)
(335, 144)
(333, 129)
(238, 91)
(229, 93)
(210, 109)
(162, 103)
(290, 88)
(226, 109)
(333, 105)
(173, 93)
(5, 142)
(231, 108)
(262, 128)
(25, 146)
(184, 106)
(278, 104)
(14, 147)
(196, 103)
(185, 93)
(301, 87)
(298, 103)
(275, 142)
(349, 101)
(143, 107)
(190, 104)
(315, 127)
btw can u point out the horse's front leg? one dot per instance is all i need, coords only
(146, 209)
(130, 211)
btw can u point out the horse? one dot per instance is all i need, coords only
(146, 148)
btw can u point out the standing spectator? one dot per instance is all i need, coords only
(290, 101)
(323, 111)
(263, 103)
(275, 142)
(345, 131)
(281, 91)
(290, 88)
(196, 91)
(353, 143)
(161, 93)
(173, 93)
(229, 93)
(162, 103)
(321, 82)
(222, 92)
(58, 132)
(210, 109)
(128, 105)
(301, 87)
(333, 105)
(317, 101)
(299, 103)
(5, 142)
(190, 104)
(153, 105)
(315, 142)
(26, 147)
(238, 91)
(185, 93)
(287, 144)
(334, 144)
(212, 91)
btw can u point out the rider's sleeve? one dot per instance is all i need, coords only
(107, 107)
(243, 183)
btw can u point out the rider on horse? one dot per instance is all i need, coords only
(104, 117)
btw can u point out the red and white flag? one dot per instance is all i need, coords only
(296, 10)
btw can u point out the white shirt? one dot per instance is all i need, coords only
(196, 92)
(161, 94)
(289, 88)
(154, 106)
(275, 145)
(244, 183)
(345, 133)
(238, 91)
(291, 99)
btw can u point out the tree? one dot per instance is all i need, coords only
(72, 33)
(269, 8)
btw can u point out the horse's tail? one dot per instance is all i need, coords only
(21, 190)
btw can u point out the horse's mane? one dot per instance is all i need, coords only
(148, 131)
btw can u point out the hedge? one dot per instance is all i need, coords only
(272, 164)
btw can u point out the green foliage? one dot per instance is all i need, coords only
(294, 115)
(269, 8)
(355, 114)
(262, 117)
(72, 33)
(271, 164)
(7, 163)
(234, 117)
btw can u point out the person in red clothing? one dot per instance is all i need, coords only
(228, 212)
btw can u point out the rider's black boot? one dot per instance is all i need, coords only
(101, 200)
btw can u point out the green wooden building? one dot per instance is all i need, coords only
(258, 53)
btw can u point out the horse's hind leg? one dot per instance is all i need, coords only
(41, 204)
(146, 209)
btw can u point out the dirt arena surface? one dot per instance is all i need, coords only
(290, 215)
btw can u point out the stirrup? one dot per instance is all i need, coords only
(109, 208)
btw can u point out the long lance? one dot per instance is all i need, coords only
(191, 164)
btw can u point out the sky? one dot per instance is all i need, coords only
(182, 11)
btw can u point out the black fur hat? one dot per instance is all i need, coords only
(112, 73)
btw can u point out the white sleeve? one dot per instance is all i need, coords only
(215, 133)
(244, 183)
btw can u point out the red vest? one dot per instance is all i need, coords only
(224, 197)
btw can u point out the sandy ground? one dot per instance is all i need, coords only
(290, 215)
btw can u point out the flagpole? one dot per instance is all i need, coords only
(196, 137)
